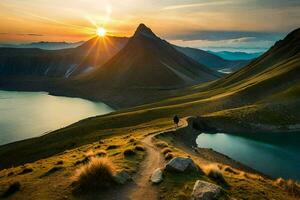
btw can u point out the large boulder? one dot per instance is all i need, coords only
(206, 191)
(157, 176)
(121, 177)
(179, 164)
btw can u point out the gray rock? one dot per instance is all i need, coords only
(206, 191)
(157, 176)
(180, 164)
(122, 177)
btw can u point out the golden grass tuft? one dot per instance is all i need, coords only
(90, 154)
(161, 144)
(128, 152)
(60, 162)
(214, 172)
(230, 170)
(166, 150)
(291, 186)
(139, 148)
(12, 188)
(112, 147)
(131, 140)
(169, 156)
(101, 153)
(26, 170)
(96, 175)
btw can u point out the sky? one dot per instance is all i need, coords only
(236, 25)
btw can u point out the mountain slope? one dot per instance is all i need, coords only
(263, 96)
(278, 55)
(148, 61)
(59, 63)
(211, 60)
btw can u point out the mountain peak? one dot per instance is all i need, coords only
(142, 29)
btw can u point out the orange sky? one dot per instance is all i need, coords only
(75, 20)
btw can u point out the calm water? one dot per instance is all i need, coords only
(277, 155)
(29, 114)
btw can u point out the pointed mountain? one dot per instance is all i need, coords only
(143, 30)
(148, 61)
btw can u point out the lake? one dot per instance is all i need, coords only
(30, 114)
(276, 155)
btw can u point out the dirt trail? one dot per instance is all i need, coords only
(144, 188)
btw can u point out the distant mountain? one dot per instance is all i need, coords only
(210, 59)
(148, 61)
(228, 55)
(59, 63)
(283, 52)
(45, 45)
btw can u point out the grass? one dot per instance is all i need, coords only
(12, 188)
(161, 144)
(166, 150)
(179, 186)
(169, 156)
(26, 171)
(98, 174)
(101, 153)
(214, 173)
(128, 152)
(60, 162)
(56, 185)
(51, 171)
(139, 148)
(291, 186)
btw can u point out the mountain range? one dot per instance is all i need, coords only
(59, 60)
(36, 62)
(45, 45)
(228, 55)
(210, 59)
(149, 68)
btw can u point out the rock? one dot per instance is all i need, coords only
(121, 177)
(180, 164)
(206, 191)
(157, 176)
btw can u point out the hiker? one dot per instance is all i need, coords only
(176, 120)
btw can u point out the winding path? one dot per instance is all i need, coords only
(144, 188)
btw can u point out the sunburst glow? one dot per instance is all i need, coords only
(101, 32)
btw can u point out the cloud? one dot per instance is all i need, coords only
(228, 45)
(276, 3)
(191, 5)
(246, 41)
(226, 35)
(30, 34)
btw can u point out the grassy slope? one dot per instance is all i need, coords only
(40, 184)
(219, 105)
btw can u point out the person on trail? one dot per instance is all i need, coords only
(176, 120)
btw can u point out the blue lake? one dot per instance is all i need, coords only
(277, 155)
(30, 114)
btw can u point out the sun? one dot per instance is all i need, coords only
(101, 32)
